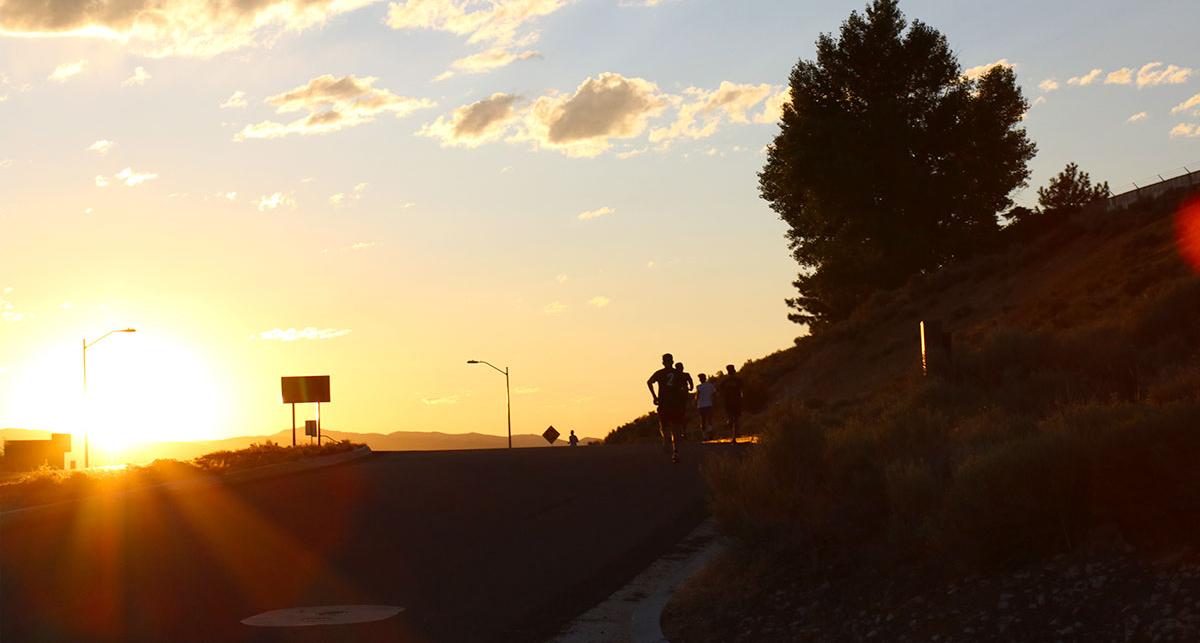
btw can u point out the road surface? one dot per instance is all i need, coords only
(474, 545)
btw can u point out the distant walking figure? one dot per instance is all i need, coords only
(573, 441)
(731, 395)
(705, 393)
(671, 400)
(689, 386)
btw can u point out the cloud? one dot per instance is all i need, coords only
(1185, 130)
(1194, 101)
(487, 60)
(139, 78)
(1150, 75)
(977, 72)
(1040, 100)
(1048, 85)
(582, 123)
(475, 124)
(1140, 116)
(439, 401)
(554, 308)
(595, 214)
(343, 198)
(235, 101)
(132, 179)
(275, 201)
(171, 27)
(1086, 79)
(1122, 76)
(703, 111)
(363, 245)
(332, 104)
(496, 21)
(562, 279)
(228, 196)
(101, 146)
(101, 181)
(65, 71)
(599, 301)
(498, 24)
(526, 390)
(8, 310)
(307, 333)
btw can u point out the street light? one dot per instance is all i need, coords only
(507, 394)
(87, 345)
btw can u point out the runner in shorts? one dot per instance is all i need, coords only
(671, 400)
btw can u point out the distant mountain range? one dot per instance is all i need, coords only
(395, 441)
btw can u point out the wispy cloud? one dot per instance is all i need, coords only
(189, 28)
(333, 104)
(526, 390)
(1122, 76)
(66, 71)
(131, 178)
(562, 279)
(276, 200)
(1185, 130)
(499, 26)
(974, 73)
(8, 310)
(1138, 117)
(101, 146)
(595, 214)
(101, 181)
(1194, 101)
(342, 199)
(1085, 79)
(599, 301)
(139, 78)
(554, 308)
(236, 100)
(1152, 74)
(1048, 85)
(308, 333)
(703, 110)
(441, 400)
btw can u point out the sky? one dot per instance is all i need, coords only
(382, 190)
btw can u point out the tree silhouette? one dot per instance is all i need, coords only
(889, 161)
(1070, 190)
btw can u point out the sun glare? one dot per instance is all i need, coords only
(142, 388)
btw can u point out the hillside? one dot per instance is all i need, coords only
(1065, 422)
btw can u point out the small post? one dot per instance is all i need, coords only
(924, 354)
(318, 424)
(293, 424)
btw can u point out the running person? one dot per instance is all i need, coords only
(671, 400)
(705, 393)
(731, 395)
(689, 387)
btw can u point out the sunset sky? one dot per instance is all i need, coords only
(379, 191)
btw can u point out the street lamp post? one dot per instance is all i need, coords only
(87, 345)
(507, 393)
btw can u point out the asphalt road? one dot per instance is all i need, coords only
(474, 545)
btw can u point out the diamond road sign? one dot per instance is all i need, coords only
(551, 435)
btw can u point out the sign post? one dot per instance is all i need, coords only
(305, 390)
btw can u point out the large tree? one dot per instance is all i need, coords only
(889, 161)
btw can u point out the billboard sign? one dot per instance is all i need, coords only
(302, 390)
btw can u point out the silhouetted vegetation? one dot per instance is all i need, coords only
(1070, 190)
(52, 485)
(889, 162)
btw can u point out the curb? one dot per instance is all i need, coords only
(633, 614)
(233, 477)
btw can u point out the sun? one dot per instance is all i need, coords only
(142, 387)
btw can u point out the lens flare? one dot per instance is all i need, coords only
(1187, 231)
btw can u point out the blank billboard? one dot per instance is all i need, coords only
(302, 390)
